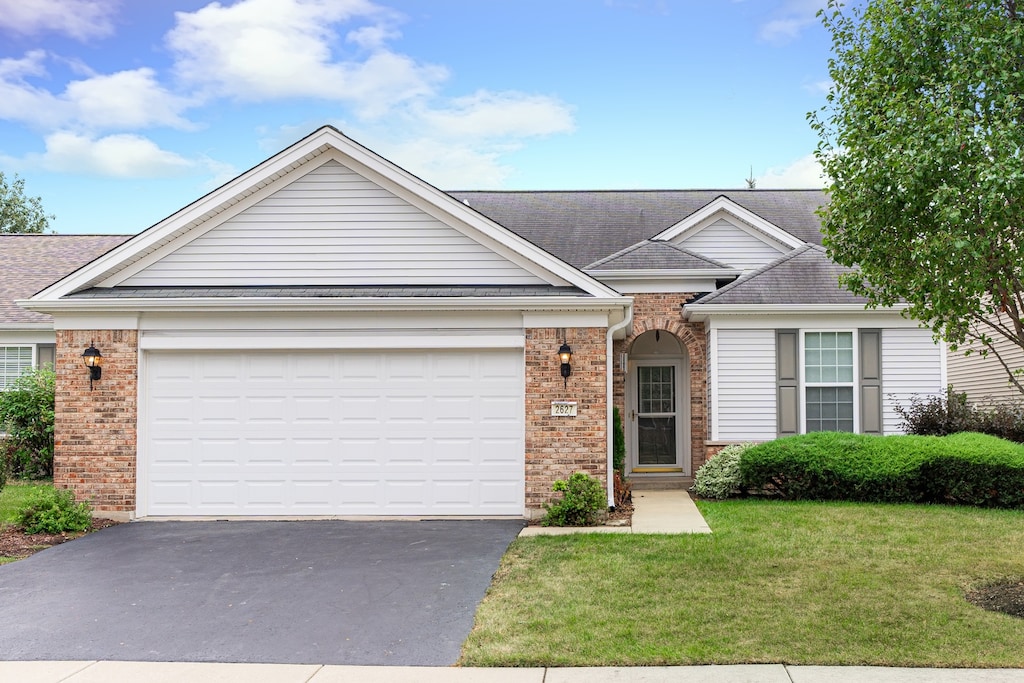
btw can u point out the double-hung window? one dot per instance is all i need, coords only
(14, 360)
(828, 381)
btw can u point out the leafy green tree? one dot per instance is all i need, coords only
(19, 213)
(922, 135)
(27, 415)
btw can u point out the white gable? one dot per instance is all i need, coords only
(729, 242)
(332, 226)
(325, 211)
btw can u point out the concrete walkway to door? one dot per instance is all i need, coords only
(654, 512)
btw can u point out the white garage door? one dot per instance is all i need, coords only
(333, 433)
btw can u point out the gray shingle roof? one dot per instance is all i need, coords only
(30, 263)
(803, 276)
(651, 255)
(581, 227)
(323, 292)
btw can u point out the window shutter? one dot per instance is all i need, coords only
(787, 377)
(871, 381)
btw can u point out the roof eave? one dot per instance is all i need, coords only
(699, 312)
(633, 274)
(276, 304)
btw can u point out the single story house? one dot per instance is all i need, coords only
(329, 335)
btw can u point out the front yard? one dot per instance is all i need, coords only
(15, 545)
(798, 583)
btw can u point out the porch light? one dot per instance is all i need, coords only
(565, 355)
(93, 360)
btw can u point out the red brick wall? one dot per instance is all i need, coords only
(558, 446)
(664, 312)
(94, 430)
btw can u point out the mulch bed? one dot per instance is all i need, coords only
(1006, 597)
(15, 544)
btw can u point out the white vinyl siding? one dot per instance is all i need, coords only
(911, 365)
(983, 378)
(730, 244)
(14, 361)
(332, 227)
(746, 385)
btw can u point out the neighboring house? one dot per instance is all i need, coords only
(983, 378)
(28, 263)
(329, 335)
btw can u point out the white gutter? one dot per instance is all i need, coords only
(207, 304)
(653, 274)
(609, 372)
(698, 312)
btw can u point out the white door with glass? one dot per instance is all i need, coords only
(657, 399)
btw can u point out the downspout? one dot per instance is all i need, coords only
(609, 373)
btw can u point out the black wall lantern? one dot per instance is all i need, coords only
(93, 360)
(565, 355)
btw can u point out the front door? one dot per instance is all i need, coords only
(655, 416)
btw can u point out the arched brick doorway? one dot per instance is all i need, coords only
(657, 401)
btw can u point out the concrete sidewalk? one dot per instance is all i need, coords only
(156, 672)
(654, 512)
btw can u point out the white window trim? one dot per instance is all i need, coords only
(804, 384)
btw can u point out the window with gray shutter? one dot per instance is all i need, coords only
(787, 377)
(871, 381)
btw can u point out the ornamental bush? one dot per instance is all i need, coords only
(719, 477)
(952, 414)
(583, 502)
(54, 511)
(962, 469)
(26, 416)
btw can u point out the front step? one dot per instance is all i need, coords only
(660, 483)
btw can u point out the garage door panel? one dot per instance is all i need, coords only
(334, 433)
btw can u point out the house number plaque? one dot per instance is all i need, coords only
(563, 408)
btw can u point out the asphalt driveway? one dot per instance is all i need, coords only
(318, 592)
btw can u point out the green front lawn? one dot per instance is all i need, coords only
(799, 583)
(14, 496)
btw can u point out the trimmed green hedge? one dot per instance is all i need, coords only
(959, 469)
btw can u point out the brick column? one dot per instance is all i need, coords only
(558, 446)
(95, 430)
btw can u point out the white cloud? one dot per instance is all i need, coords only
(118, 156)
(818, 87)
(20, 101)
(443, 163)
(126, 99)
(504, 114)
(805, 172)
(372, 37)
(790, 21)
(123, 100)
(80, 19)
(259, 50)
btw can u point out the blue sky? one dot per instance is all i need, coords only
(119, 112)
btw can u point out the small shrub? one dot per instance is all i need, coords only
(26, 415)
(1004, 419)
(952, 414)
(720, 476)
(938, 415)
(583, 501)
(54, 511)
